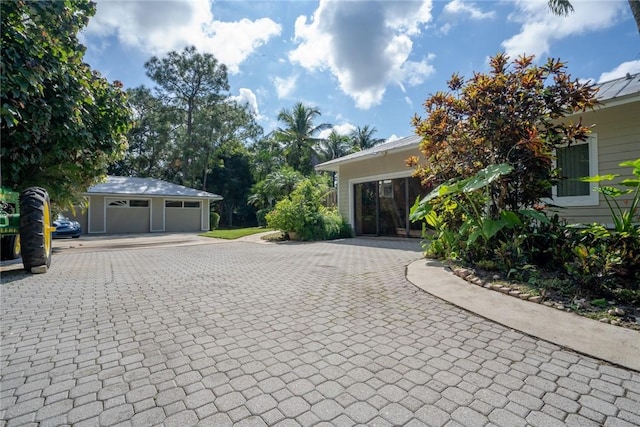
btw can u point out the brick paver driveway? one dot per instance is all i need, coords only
(289, 334)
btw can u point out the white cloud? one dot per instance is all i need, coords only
(156, 27)
(408, 101)
(285, 87)
(540, 27)
(248, 98)
(456, 7)
(631, 67)
(393, 137)
(365, 45)
(343, 129)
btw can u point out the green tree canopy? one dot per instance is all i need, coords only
(299, 136)
(334, 146)
(190, 84)
(62, 123)
(362, 137)
(151, 145)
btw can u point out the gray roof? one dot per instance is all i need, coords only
(624, 86)
(391, 146)
(147, 187)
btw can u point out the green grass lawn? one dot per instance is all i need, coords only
(234, 233)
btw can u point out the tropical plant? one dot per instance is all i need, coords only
(510, 115)
(276, 186)
(303, 214)
(334, 146)
(564, 7)
(62, 122)
(560, 7)
(299, 136)
(625, 219)
(362, 137)
(470, 197)
(268, 156)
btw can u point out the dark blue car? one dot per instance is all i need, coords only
(66, 228)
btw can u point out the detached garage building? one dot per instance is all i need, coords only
(142, 205)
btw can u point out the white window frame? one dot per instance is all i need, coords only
(593, 198)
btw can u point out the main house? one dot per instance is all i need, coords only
(142, 205)
(376, 189)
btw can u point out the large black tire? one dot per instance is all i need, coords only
(10, 247)
(35, 228)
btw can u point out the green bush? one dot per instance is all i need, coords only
(261, 216)
(214, 220)
(302, 213)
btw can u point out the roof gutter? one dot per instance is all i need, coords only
(334, 165)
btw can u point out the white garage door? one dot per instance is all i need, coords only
(182, 215)
(128, 216)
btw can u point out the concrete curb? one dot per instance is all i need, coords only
(603, 341)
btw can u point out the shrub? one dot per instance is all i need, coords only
(303, 213)
(261, 216)
(214, 220)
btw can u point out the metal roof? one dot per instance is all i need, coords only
(395, 145)
(147, 187)
(618, 88)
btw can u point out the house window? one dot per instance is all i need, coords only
(119, 203)
(133, 203)
(181, 204)
(576, 161)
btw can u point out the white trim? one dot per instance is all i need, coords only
(160, 230)
(89, 210)
(593, 199)
(353, 181)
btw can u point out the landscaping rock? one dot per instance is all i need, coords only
(536, 299)
(616, 311)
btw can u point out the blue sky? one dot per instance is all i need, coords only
(360, 62)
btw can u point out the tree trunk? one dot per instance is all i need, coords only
(230, 211)
(635, 10)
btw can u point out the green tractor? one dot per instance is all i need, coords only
(25, 227)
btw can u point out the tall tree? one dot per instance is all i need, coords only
(189, 82)
(231, 178)
(362, 137)
(219, 125)
(564, 7)
(268, 156)
(299, 135)
(62, 123)
(334, 146)
(151, 144)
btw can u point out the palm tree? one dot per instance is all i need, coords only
(335, 146)
(560, 7)
(298, 135)
(564, 7)
(362, 138)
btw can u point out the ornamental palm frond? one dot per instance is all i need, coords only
(363, 137)
(299, 135)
